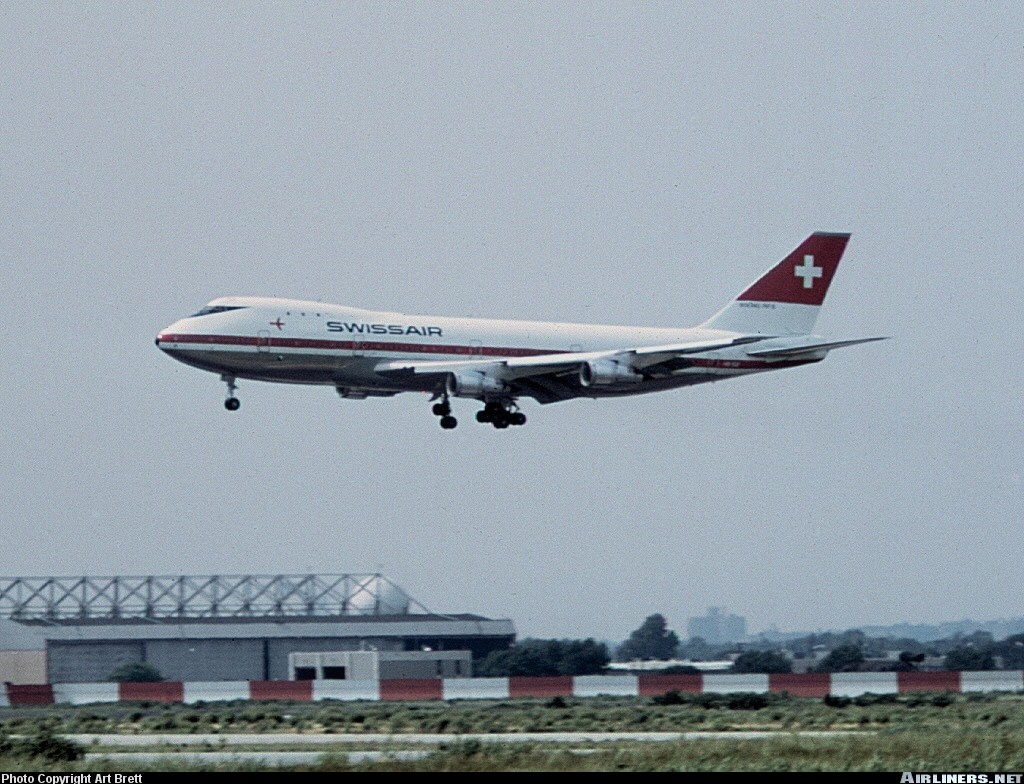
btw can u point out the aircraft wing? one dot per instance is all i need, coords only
(552, 377)
(649, 356)
(518, 367)
(535, 377)
(505, 369)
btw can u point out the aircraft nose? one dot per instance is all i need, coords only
(163, 337)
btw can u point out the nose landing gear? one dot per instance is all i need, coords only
(232, 403)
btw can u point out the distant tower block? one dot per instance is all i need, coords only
(717, 627)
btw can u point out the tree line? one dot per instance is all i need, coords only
(849, 651)
(653, 641)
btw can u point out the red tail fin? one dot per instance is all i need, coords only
(787, 298)
(804, 275)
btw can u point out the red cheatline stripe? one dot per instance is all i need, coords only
(41, 694)
(411, 689)
(281, 690)
(812, 684)
(352, 345)
(653, 685)
(928, 681)
(166, 691)
(553, 686)
(425, 348)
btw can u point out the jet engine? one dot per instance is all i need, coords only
(473, 384)
(598, 372)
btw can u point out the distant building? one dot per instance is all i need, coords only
(229, 628)
(717, 627)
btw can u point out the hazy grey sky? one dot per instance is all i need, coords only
(624, 163)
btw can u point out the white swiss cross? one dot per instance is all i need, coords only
(808, 272)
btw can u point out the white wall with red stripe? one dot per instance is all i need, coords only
(850, 684)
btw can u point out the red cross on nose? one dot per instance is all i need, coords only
(277, 323)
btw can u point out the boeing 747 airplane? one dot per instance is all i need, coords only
(364, 353)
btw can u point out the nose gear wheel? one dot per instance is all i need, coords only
(232, 403)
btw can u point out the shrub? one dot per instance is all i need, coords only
(968, 658)
(136, 672)
(747, 701)
(762, 661)
(845, 658)
(870, 698)
(669, 698)
(43, 745)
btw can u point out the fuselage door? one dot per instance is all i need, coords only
(263, 342)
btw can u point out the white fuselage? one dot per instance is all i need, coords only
(364, 353)
(302, 342)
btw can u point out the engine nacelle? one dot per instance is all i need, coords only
(599, 372)
(360, 393)
(473, 384)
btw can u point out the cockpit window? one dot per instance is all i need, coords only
(216, 309)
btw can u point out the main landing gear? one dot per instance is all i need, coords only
(500, 415)
(443, 409)
(232, 403)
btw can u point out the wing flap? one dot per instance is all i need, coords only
(655, 355)
(507, 369)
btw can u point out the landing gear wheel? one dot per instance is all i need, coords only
(448, 422)
(501, 414)
(442, 409)
(232, 403)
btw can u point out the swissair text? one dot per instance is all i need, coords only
(382, 329)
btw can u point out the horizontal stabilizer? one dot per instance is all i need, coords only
(812, 348)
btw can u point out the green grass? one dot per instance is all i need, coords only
(927, 731)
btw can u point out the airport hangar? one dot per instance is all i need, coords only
(219, 628)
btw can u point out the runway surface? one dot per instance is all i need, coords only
(182, 748)
(323, 739)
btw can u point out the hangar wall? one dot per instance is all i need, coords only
(211, 651)
(23, 667)
(76, 662)
(22, 654)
